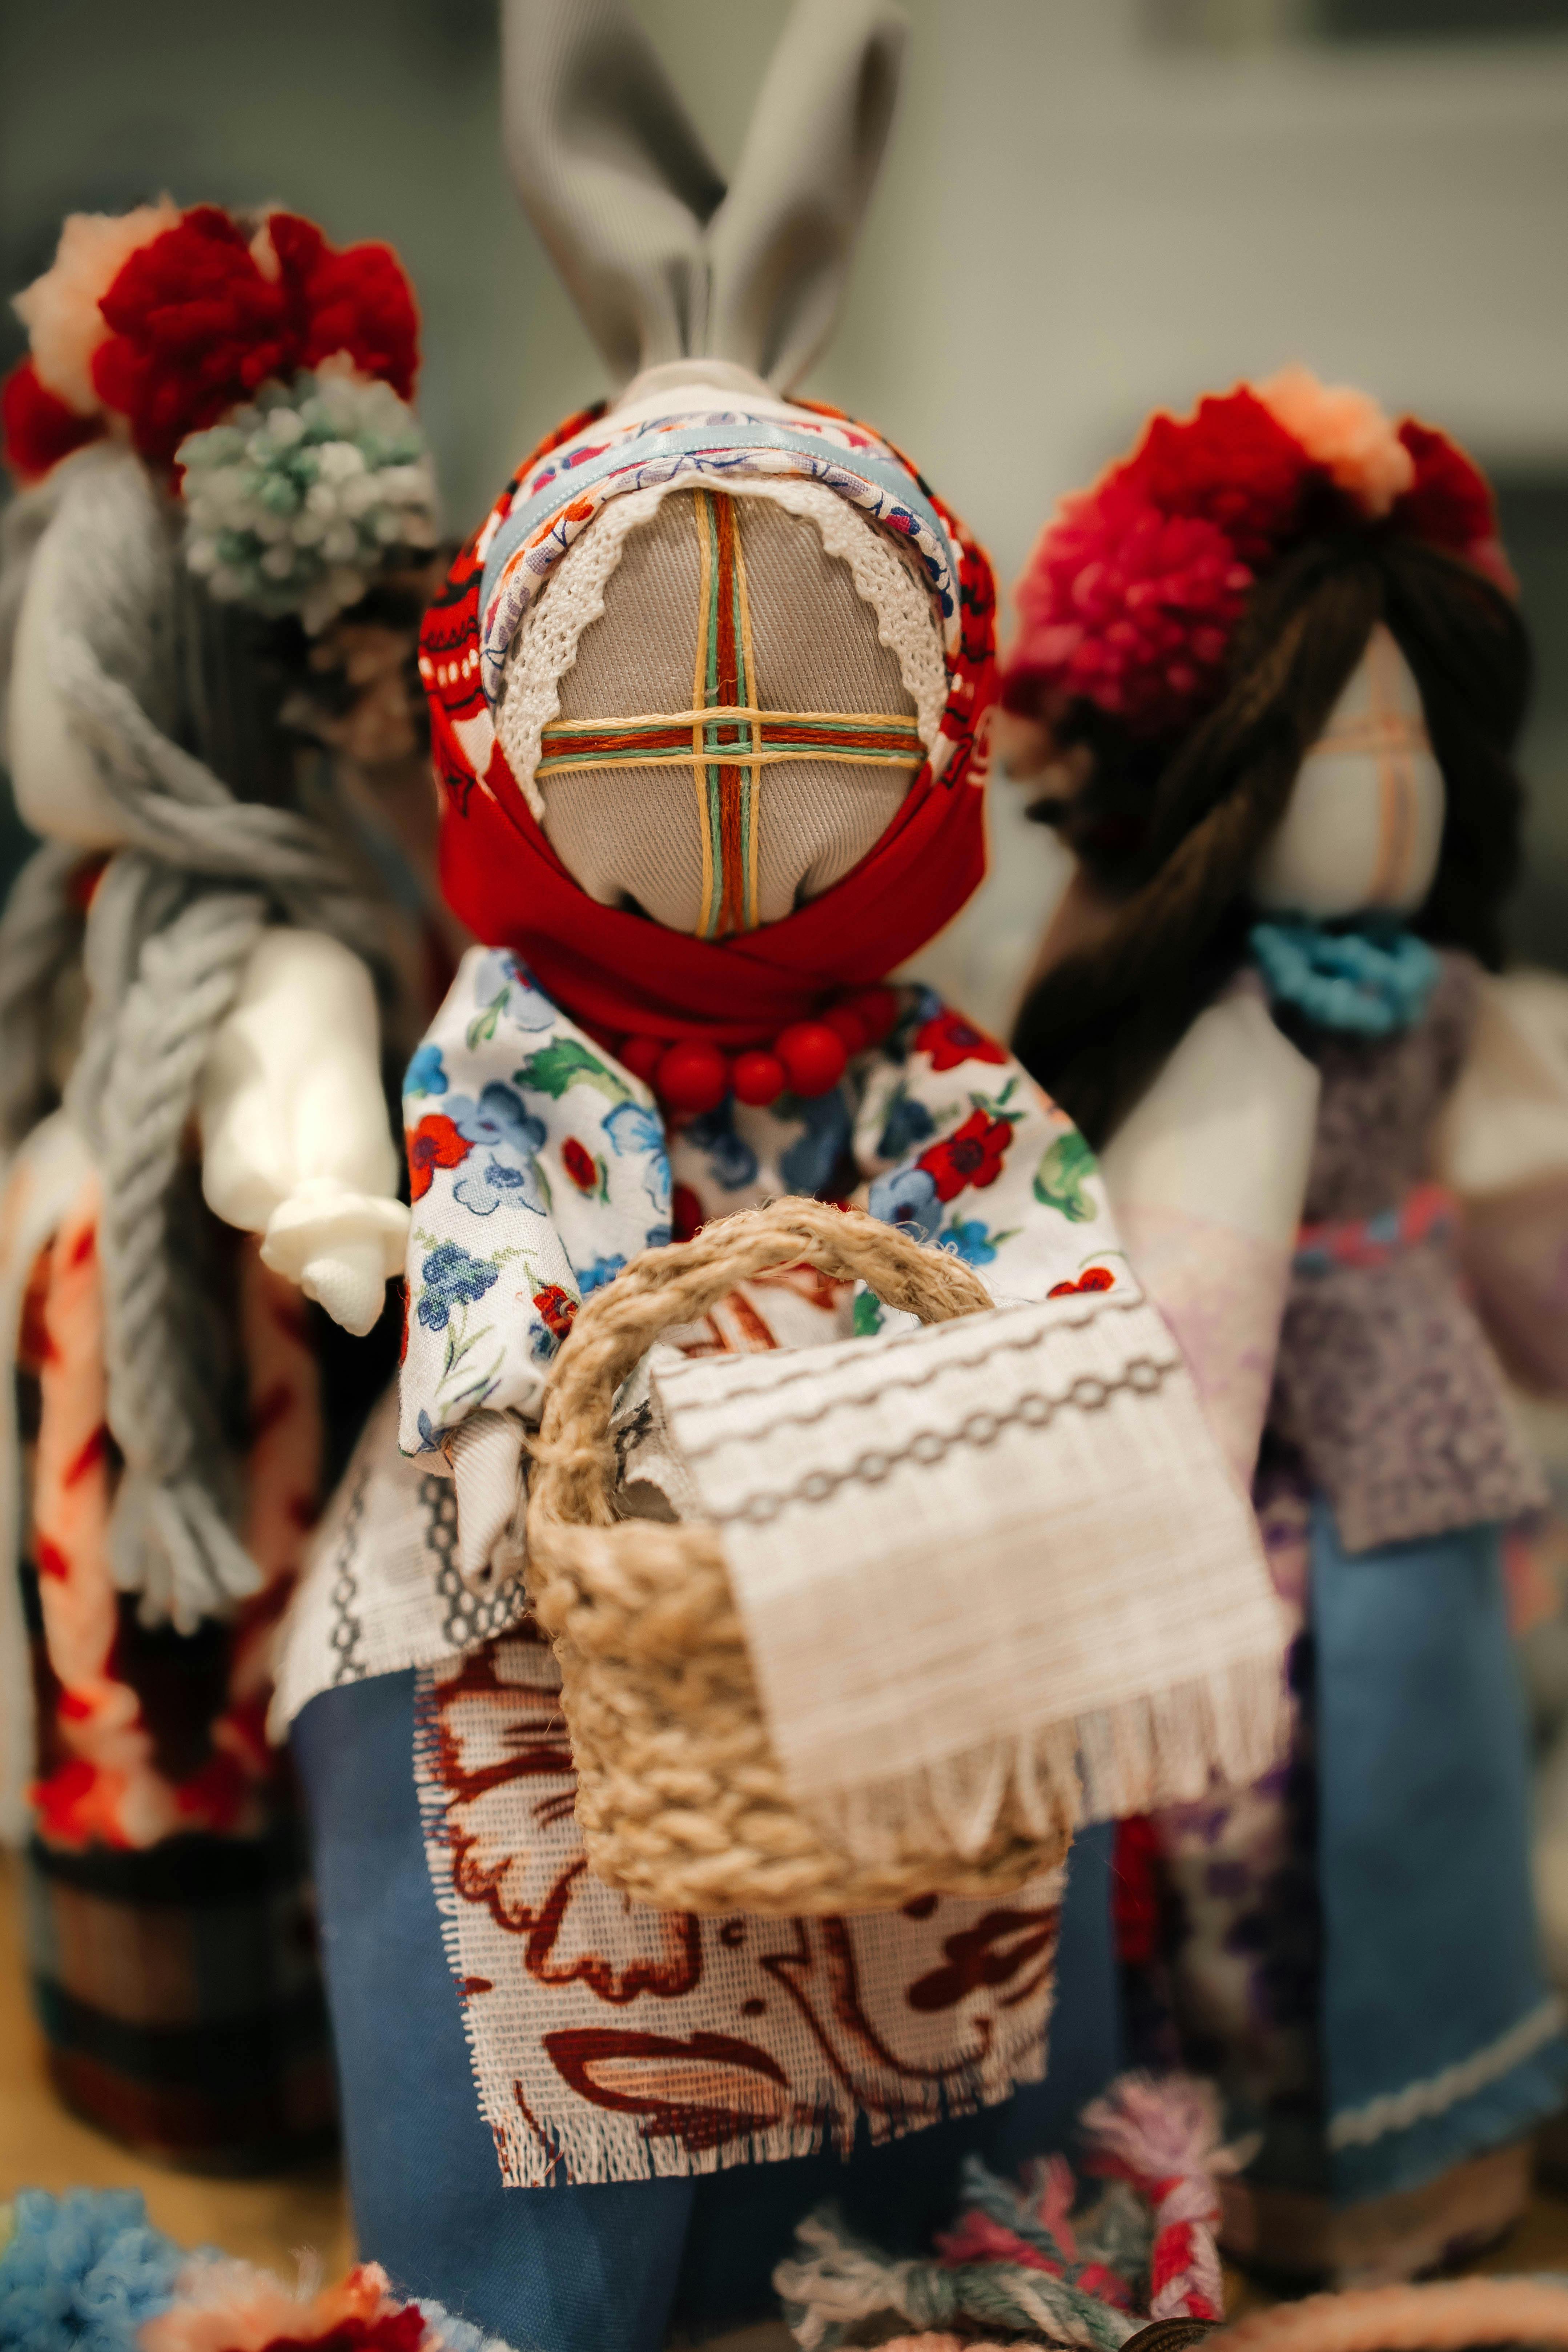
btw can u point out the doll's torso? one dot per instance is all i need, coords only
(1384, 1379)
(526, 1139)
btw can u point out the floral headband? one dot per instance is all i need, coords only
(1135, 587)
(267, 374)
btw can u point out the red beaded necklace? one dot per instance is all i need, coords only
(807, 1058)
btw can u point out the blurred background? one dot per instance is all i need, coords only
(1092, 207)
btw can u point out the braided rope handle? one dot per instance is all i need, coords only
(575, 1458)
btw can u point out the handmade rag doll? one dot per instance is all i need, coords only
(1271, 670)
(710, 691)
(219, 475)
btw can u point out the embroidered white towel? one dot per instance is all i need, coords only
(979, 1553)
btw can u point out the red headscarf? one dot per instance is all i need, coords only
(617, 972)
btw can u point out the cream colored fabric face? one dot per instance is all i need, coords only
(783, 669)
(1363, 827)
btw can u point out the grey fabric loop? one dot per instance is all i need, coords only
(40, 933)
(174, 918)
(168, 1539)
(780, 243)
(612, 174)
(662, 262)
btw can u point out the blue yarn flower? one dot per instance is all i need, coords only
(82, 2273)
(450, 1277)
(1366, 983)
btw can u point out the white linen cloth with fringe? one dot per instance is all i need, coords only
(969, 1556)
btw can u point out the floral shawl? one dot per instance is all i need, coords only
(540, 1165)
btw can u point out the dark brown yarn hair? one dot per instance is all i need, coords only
(1172, 835)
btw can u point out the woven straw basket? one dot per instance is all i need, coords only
(680, 1800)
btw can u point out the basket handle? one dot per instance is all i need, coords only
(574, 1459)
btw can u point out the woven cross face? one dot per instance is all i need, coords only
(1363, 826)
(743, 689)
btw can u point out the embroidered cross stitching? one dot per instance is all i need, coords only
(725, 736)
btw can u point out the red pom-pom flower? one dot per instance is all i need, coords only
(195, 329)
(358, 302)
(38, 430)
(1230, 464)
(1132, 597)
(1130, 608)
(201, 316)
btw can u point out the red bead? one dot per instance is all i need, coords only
(848, 1027)
(758, 1078)
(692, 1076)
(878, 1008)
(642, 1056)
(813, 1056)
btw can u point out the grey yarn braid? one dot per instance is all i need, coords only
(173, 924)
(40, 934)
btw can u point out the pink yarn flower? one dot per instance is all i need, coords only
(1346, 432)
(59, 309)
(1130, 608)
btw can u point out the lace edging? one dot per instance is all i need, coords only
(546, 645)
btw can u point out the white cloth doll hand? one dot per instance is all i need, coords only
(489, 1470)
(295, 1139)
(488, 1456)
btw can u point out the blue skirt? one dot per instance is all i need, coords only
(1440, 2036)
(613, 2266)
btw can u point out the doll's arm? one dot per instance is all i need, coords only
(295, 1141)
(1502, 1146)
(1206, 1177)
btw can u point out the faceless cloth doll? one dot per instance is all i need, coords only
(1274, 669)
(218, 465)
(710, 691)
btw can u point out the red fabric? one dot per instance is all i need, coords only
(196, 325)
(36, 428)
(1136, 1892)
(617, 972)
(1450, 501)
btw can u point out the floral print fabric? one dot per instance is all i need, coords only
(610, 2041)
(540, 1165)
